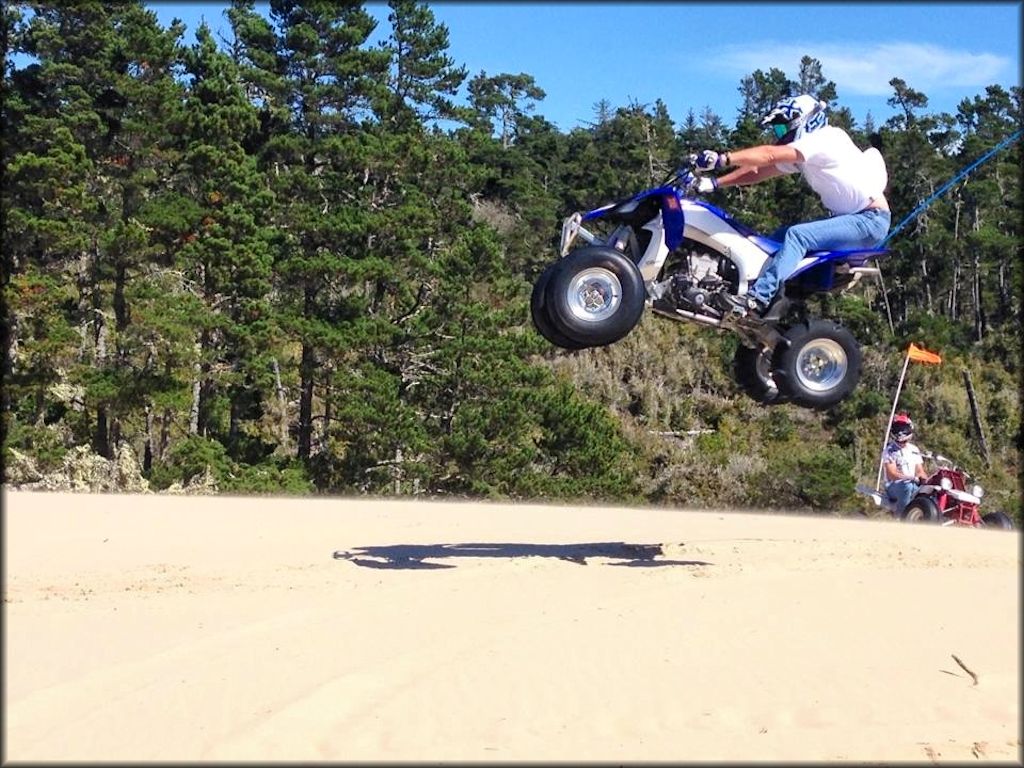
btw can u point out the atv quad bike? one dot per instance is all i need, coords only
(949, 496)
(665, 250)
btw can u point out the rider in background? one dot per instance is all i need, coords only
(903, 463)
(850, 182)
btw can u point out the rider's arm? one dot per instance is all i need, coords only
(892, 472)
(764, 154)
(741, 177)
(919, 472)
(756, 164)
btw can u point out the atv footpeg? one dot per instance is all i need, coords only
(688, 299)
(871, 493)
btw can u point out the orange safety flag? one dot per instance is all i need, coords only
(922, 355)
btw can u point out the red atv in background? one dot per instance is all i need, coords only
(949, 496)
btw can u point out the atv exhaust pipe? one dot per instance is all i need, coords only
(682, 314)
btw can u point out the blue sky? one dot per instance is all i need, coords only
(693, 55)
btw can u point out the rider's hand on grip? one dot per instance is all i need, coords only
(706, 184)
(709, 160)
(701, 184)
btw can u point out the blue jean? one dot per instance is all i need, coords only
(901, 491)
(865, 229)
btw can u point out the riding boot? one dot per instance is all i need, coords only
(748, 304)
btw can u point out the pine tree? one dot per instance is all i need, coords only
(423, 77)
(760, 91)
(226, 253)
(103, 90)
(310, 68)
(505, 99)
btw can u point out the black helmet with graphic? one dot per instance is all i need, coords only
(902, 428)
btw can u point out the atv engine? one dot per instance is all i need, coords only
(695, 272)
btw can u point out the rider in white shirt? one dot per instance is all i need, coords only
(903, 464)
(850, 182)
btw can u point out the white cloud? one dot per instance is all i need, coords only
(866, 69)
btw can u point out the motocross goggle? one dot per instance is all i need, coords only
(902, 435)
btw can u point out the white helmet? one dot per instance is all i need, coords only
(791, 118)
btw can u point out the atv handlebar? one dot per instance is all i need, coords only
(945, 462)
(678, 177)
(935, 457)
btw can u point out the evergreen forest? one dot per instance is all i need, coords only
(298, 259)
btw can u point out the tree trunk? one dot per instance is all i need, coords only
(927, 282)
(120, 305)
(953, 307)
(197, 385)
(650, 150)
(100, 442)
(10, 342)
(165, 433)
(307, 369)
(1005, 305)
(979, 312)
(955, 287)
(206, 388)
(236, 393)
(976, 413)
(282, 404)
(980, 321)
(10, 345)
(307, 366)
(84, 286)
(147, 451)
(234, 416)
(101, 439)
(325, 427)
(39, 411)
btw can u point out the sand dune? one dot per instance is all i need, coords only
(144, 628)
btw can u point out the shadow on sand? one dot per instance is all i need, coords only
(414, 556)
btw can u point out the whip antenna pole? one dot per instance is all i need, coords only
(917, 211)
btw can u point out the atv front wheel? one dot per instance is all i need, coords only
(595, 296)
(752, 369)
(820, 364)
(539, 313)
(921, 510)
(998, 520)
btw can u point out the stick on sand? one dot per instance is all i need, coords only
(963, 666)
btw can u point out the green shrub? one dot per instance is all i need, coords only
(714, 448)
(189, 458)
(824, 478)
(274, 476)
(862, 321)
(45, 444)
(803, 475)
(942, 334)
(780, 426)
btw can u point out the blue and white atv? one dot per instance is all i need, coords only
(665, 249)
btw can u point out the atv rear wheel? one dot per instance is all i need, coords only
(921, 510)
(539, 313)
(752, 369)
(595, 296)
(998, 520)
(820, 364)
